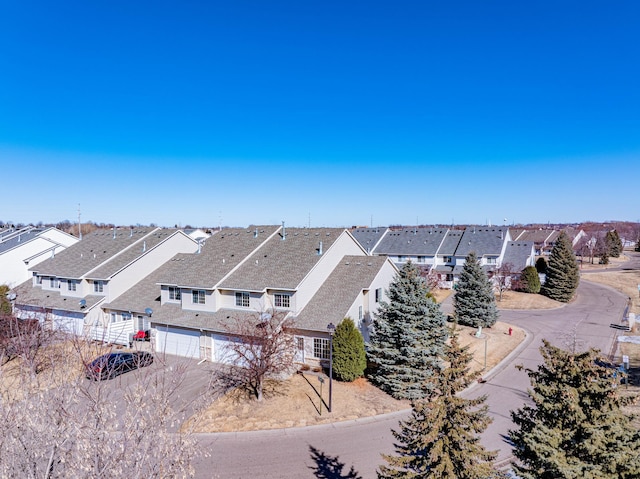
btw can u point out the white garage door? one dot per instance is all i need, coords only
(222, 350)
(178, 341)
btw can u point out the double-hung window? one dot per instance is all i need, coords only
(126, 316)
(71, 285)
(242, 299)
(175, 294)
(378, 295)
(198, 296)
(98, 286)
(321, 348)
(53, 283)
(282, 300)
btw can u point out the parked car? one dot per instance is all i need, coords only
(109, 366)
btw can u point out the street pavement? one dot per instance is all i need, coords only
(333, 450)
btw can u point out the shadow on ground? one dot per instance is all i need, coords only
(329, 467)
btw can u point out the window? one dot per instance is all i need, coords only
(175, 294)
(321, 348)
(492, 260)
(282, 300)
(421, 259)
(446, 259)
(126, 316)
(198, 296)
(114, 317)
(143, 323)
(98, 286)
(400, 259)
(52, 282)
(71, 285)
(378, 295)
(242, 299)
(360, 313)
(38, 279)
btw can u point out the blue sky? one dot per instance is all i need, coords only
(321, 113)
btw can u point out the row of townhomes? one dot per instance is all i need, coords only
(181, 288)
(23, 248)
(442, 251)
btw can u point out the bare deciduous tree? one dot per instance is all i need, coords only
(56, 423)
(264, 348)
(502, 278)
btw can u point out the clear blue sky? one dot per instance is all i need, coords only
(331, 113)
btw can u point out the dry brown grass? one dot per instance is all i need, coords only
(518, 300)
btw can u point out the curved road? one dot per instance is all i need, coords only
(333, 450)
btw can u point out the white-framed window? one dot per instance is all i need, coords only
(360, 314)
(53, 283)
(401, 259)
(321, 348)
(242, 299)
(98, 286)
(175, 294)
(126, 316)
(143, 323)
(282, 300)
(198, 296)
(71, 285)
(492, 260)
(378, 295)
(114, 318)
(447, 259)
(421, 259)
(38, 279)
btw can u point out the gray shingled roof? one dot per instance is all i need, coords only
(482, 240)
(518, 253)
(535, 236)
(283, 263)
(12, 239)
(450, 242)
(26, 294)
(220, 253)
(412, 241)
(332, 301)
(94, 250)
(368, 237)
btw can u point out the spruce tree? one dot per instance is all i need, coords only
(576, 427)
(562, 271)
(408, 337)
(440, 439)
(474, 302)
(349, 356)
(613, 243)
(530, 280)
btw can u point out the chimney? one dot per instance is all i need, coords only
(284, 232)
(144, 246)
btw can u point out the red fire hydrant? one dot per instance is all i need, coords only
(510, 331)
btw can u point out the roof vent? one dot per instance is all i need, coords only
(144, 246)
(284, 232)
(320, 249)
(255, 233)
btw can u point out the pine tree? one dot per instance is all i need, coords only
(474, 302)
(440, 438)
(562, 271)
(576, 427)
(530, 280)
(349, 356)
(408, 337)
(613, 244)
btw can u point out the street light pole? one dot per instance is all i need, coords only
(332, 329)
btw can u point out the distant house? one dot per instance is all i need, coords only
(23, 248)
(67, 290)
(313, 276)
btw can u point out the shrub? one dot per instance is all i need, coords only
(349, 357)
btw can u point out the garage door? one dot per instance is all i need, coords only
(222, 350)
(178, 341)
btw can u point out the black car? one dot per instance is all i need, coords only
(111, 365)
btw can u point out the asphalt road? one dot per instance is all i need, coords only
(331, 451)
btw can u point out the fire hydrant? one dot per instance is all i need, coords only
(510, 331)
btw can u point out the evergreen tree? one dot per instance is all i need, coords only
(576, 427)
(562, 272)
(349, 356)
(440, 438)
(5, 304)
(638, 245)
(408, 337)
(530, 280)
(474, 302)
(541, 265)
(613, 244)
